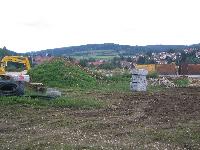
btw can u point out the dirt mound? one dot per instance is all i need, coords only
(62, 73)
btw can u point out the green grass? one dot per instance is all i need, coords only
(105, 57)
(182, 82)
(120, 86)
(68, 102)
(22, 100)
(99, 57)
(119, 83)
(97, 54)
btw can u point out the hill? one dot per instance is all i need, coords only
(107, 49)
(5, 52)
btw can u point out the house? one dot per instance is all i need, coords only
(126, 64)
(96, 63)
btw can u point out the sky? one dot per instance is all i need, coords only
(32, 25)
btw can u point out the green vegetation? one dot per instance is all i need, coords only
(95, 54)
(5, 52)
(182, 82)
(63, 74)
(108, 48)
(59, 102)
(120, 78)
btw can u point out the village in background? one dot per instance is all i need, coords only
(162, 60)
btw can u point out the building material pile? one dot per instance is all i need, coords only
(138, 80)
(161, 82)
(194, 82)
(53, 92)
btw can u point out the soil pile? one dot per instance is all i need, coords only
(62, 73)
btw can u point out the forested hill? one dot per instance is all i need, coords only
(5, 52)
(116, 48)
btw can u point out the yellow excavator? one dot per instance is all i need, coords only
(12, 83)
(15, 59)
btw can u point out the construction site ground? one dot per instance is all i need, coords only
(168, 119)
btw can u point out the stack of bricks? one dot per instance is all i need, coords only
(138, 80)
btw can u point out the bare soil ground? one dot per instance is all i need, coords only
(162, 120)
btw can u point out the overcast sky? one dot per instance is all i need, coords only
(30, 25)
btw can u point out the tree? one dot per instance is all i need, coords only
(129, 59)
(4, 48)
(171, 51)
(3, 53)
(141, 60)
(107, 66)
(91, 59)
(183, 57)
(83, 62)
(149, 53)
(122, 57)
(169, 60)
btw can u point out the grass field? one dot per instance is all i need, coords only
(98, 54)
(96, 57)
